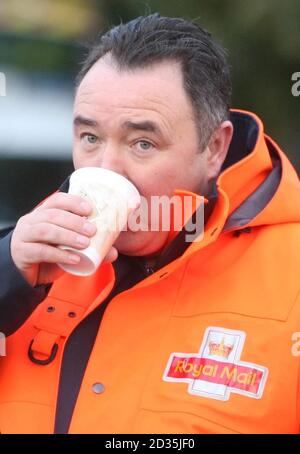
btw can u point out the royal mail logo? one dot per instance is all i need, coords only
(216, 371)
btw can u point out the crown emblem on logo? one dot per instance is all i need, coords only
(220, 348)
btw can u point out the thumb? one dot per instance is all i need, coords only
(112, 255)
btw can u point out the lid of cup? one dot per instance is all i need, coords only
(107, 176)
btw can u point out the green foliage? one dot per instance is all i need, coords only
(263, 42)
(262, 38)
(30, 53)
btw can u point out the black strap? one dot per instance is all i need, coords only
(79, 345)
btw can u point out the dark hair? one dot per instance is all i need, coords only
(154, 38)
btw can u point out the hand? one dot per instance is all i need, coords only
(60, 220)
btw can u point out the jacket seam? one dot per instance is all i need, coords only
(180, 285)
(191, 414)
(294, 303)
(234, 313)
(24, 402)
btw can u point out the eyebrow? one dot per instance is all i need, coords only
(147, 125)
(83, 121)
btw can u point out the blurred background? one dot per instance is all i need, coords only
(42, 43)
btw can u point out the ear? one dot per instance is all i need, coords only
(217, 148)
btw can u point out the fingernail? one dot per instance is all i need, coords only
(82, 240)
(88, 228)
(85, 206)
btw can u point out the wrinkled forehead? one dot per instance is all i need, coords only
(160, 84)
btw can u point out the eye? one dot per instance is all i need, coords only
(89, 138)
(144, 145)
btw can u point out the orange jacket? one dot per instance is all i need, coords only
(204, 345)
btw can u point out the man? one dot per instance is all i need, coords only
(172, 337)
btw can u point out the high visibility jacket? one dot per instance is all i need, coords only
(207, 344)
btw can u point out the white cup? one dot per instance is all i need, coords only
(113, 198)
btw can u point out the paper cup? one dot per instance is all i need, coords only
(113, 198)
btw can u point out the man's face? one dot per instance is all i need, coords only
(140, 124)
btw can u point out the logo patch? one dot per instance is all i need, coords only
(216, 371)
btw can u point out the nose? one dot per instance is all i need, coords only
(112, 159)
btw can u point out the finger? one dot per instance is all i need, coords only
(112, 255)
(35, 253)
(53, 234)
(68, 202)
(64, 219)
